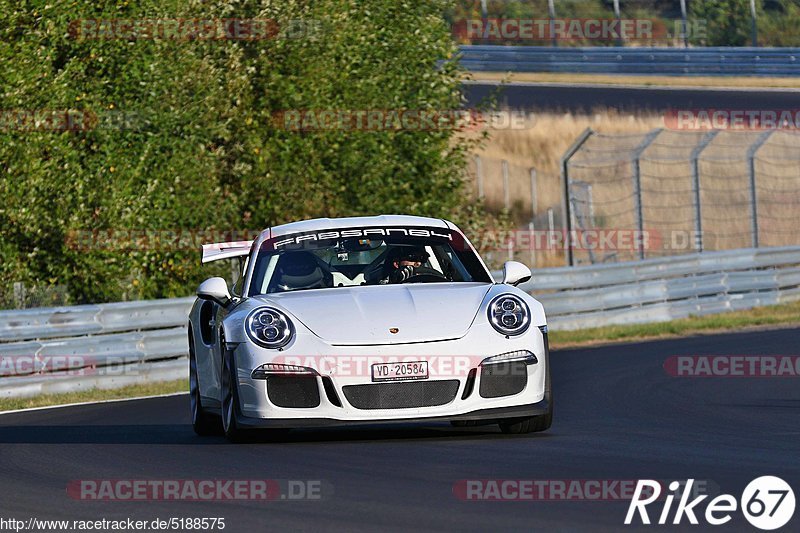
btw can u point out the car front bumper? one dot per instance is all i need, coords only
(336, 370)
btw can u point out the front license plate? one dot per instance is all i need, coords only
(400, 371)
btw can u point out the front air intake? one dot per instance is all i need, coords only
(503, 379)
(298, 391)
(401, 395)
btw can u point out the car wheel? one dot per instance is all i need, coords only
(230, 398)
(203, 422)
(533, 424)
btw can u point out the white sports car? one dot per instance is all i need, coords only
(364, 320)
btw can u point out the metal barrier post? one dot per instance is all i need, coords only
(479, 175)
(637, 186)
(506, 192)
(551, 11)
(684, 32)
(751, 160)
(698, 213)
(531, 229)
(582, 138)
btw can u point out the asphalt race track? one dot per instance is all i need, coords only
(619, 416)
(585, 98)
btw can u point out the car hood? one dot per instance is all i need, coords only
(365, 315)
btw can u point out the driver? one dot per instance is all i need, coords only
(405, 262)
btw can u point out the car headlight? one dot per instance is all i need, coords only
(269, 328)
(509, 314)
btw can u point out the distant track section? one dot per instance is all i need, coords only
(585, 98)
(705, 61)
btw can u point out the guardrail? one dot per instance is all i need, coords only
(712, 61)
(65, 349)
(112, 345)
(668, 288)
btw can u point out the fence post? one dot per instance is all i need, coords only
(506, 193)
(582, 138)
(637, 186)
(698, 212)
(751, 160)
(479, 175)
(684, 32)
(551, 11)
(531, 228)
(19, 295)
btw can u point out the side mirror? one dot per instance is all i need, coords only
(216, 290)
(515, 273)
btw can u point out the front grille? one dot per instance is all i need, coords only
(401, 395)
(299, 391)
(503, 379)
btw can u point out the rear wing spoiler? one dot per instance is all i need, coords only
(225, 250)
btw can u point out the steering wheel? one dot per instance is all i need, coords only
(427, 277)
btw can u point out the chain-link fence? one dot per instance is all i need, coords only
(25, 296)
(684, 191)
(645, 195)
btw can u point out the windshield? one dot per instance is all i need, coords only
(364, 256)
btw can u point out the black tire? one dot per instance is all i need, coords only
(203, 422)
(534, 424)
(230, 398)
(531, 424)
(230, 408)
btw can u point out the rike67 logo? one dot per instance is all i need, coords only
(767, 503)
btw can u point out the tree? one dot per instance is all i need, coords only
(181, 133)
(729, 22)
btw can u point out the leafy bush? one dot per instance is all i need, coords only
(184, 136)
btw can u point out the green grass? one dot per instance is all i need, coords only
(760, 316)
(132, 391)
